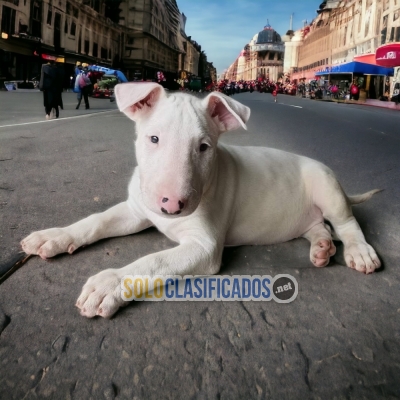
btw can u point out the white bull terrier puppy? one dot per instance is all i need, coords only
(205, 195)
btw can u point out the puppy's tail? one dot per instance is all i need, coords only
(360, 198)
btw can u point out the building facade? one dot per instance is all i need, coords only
(140, 37)
(67, 31)
(190, 58)
(212, 72)
(261, 58)
(344, 31)
(153, 41)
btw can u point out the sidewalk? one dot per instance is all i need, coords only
(368, 102)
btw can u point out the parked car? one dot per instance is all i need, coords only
(19, 85)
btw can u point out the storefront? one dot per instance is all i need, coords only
(371, 79)
(388, 55)
(22, 57)
(17, 60)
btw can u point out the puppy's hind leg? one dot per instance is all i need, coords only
(322, 247)
(330, 198)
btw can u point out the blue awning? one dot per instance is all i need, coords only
(358, 68)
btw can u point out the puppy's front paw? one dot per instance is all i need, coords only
(48, 243)
(361, 257)
(101, 295)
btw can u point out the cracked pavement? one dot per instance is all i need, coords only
(338, 339)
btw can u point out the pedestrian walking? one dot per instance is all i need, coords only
(84, 84)
(334, 90)
(354, 90)
(78, 68)
(59, 83)
(275, 93)
(50, 86)
(77, 71)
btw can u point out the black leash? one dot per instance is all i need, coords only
(12, 265)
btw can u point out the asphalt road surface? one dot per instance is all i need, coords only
(340, 338)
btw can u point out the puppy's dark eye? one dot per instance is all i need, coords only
(154, 139)
(203, 147)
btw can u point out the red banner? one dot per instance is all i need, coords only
(388, 55)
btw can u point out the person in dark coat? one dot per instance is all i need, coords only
(60, 86)
(50, 86)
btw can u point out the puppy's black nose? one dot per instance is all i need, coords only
(172, 206)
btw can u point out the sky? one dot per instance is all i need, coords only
(224, 27)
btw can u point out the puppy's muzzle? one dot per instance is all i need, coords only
(171, 206)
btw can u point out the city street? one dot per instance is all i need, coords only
(340, 338)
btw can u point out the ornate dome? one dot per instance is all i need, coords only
(254, 40)
(268, 35)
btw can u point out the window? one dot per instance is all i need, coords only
(57, 22)
(384, 30)
(36, 25)
(391, 35)
(22, 28)
(103, 53)
(383, 35)
(73, 29)
(86, 51)
(96, 5)
(49, 15)
(95, 49)
(66, 26)
(8, 20)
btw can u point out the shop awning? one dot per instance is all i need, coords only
(357, 68)
(366, 58)
(388, 55)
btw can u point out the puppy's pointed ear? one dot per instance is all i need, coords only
(137, 99)
(228, 114)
